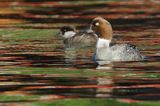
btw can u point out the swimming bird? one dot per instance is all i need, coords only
(107, 52)
(72, 37)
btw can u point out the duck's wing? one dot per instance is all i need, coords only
(124, 47)
(85, 37)
(127, 51)
(134, 50)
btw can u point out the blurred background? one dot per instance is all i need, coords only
(35, 69)
(55, 13)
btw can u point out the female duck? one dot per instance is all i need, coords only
(72, 37)
(106, 52)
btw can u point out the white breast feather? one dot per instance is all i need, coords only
(102, 43)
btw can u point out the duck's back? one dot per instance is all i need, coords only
(126, 52)
(81, 39)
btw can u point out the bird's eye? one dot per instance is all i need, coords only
(97, 24)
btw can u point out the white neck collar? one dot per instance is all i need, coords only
(102, 43)
(69, 34)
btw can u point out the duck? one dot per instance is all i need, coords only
(72, 37)
(105, 50)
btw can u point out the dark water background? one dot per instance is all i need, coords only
(40, 65)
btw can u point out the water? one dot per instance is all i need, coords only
(35, 66)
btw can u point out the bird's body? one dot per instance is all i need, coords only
(106, 51)
(119, 52)
(71, 37)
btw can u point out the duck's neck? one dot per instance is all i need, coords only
(102, 43)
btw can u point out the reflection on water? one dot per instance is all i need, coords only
(38, 67)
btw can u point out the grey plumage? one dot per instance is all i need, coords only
(81, 39)
(72, 37)
(119, 52)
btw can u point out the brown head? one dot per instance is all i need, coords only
(102, 28)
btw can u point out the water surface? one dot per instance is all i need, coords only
(35, 66)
